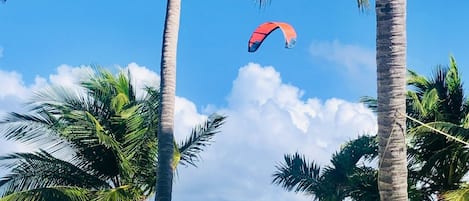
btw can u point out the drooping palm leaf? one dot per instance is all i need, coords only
(121, 193)
(200, 137)
(40, 169)
(297, 174)
(462, 194)
(56, 193)
(363, 184)
(370, 102)
(336, 181)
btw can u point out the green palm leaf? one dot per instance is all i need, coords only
(56, 193)
(370, 102)
(40, 169)
(200, 137)
(121, 193)
(297, 174)
(461, 194)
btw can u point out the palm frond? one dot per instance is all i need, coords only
(58, 193)
(200, 137)
(140, 142)
(363, 4)
(370, 102)
(453, 79)
(142, 126)
(364, 147)
(121, 193)
(30, 128)
(297, 174)
(364, 184)
(426, 104)
(449, 130)
(262, 3)
(417, 82)
(461, 194)
(40, 169)
(100, 132)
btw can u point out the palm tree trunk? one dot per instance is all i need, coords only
(391, 47)
(165, 135)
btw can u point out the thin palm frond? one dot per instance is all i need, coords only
(200, 137)
(363, 4)
(370, 102)
(364, 184)
(364, 147)
(121, 193)
(461, 194)
(40, 169)
(262, 3)
(30, 128)
(417, 82)
(297, 174)
(449, 130)
(56, 193)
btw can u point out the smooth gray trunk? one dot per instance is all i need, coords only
(391, 45)
(165, 170)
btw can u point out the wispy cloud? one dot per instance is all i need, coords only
(1, 52)
(354, 58)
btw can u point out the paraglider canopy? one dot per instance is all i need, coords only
(266, 28)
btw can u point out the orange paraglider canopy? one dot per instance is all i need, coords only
(265, 29)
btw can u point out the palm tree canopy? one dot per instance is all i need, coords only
(108, 135)
(439, 102)
(343, 178)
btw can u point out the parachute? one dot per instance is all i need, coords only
(265, 29)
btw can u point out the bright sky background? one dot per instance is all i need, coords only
(278, 100)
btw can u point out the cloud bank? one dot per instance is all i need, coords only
(266, 119)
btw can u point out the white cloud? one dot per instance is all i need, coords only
(266, 119)
(13, 84)
(69, 76)
(13, 92)
(142, 77)
(185, 116)
(354, 57)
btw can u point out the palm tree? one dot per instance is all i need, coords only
(439, 102)
(391, 47)
(100, 143)
(165, 170)
(344, 178)
(435, 161)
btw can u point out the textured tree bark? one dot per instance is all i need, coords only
(165, 170)
(391, 45)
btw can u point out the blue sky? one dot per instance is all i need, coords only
(306, 95)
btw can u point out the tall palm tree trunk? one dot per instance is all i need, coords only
(391, 47)
(168, 92)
